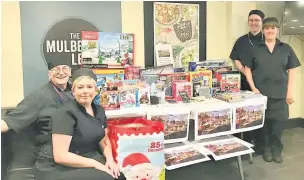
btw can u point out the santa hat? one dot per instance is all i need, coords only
(136, 161)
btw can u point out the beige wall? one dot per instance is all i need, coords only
(133, 22)
(11, 58)
(302, 88)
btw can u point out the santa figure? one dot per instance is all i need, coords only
(137, 166)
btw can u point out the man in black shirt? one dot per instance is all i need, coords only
(38, 106)
(270, 70)
(36, 109)
(246, 42)
(243, 45)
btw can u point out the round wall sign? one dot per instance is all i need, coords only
(62, 41)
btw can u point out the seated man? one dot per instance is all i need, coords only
(36, 109)
(79, 135)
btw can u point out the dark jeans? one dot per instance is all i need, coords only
(270, 135)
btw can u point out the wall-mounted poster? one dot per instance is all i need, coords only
(178, 25)
(107, 49)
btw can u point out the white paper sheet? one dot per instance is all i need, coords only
(212, 121)
(224, 149)
(176, 122)
(248, 116)
(181, 156)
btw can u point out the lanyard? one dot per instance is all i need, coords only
(251, 41)
(61, 97)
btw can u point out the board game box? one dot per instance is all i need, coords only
(181, 86)
(169, 78)
(201, 79)
(107, 49)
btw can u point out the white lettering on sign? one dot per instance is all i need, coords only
(63, 46)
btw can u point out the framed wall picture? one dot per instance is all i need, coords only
(167, 29)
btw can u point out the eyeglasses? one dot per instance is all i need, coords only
(64, 69)
(254, 20)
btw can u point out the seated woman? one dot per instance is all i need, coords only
(79, 132)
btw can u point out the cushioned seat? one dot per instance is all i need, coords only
(18, 155)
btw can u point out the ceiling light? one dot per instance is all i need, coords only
(286, 12)
(295, 20)
(292, 27)
(302, 26)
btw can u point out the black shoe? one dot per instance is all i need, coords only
(277, 157)
(267, 155)
(258, 150)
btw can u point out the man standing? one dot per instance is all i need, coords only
(247, 41)
(243, 45)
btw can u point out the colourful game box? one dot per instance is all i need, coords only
(110, 100)
(107, 49)
(105, 76)
(201, 79)
(169, 78)
(231, 82)
(179, 86)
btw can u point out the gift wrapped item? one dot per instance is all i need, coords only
(137, 146)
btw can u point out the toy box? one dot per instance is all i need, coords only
(169, 78)
(127, 98)
(179, 86)
(112, 50)
(110, 100)
(201, 80)
(230, 82)
(132, 72)
(105, 76)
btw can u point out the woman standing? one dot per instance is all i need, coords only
(80, 148)
(270, 70)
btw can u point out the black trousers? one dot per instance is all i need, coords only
(76, 174)
(60, 172)
(270, 135)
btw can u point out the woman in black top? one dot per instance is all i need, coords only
(79, 132)
(270, 70)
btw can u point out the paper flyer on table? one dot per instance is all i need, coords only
(248, 117)
(176, 122)
(212, 122)
(224, 149)
(183, 156)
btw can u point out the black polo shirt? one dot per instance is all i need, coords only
(37, 108)
(86, 131)
(243, 45)
(269, 70)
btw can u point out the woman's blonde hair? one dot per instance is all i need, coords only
(76, 81)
